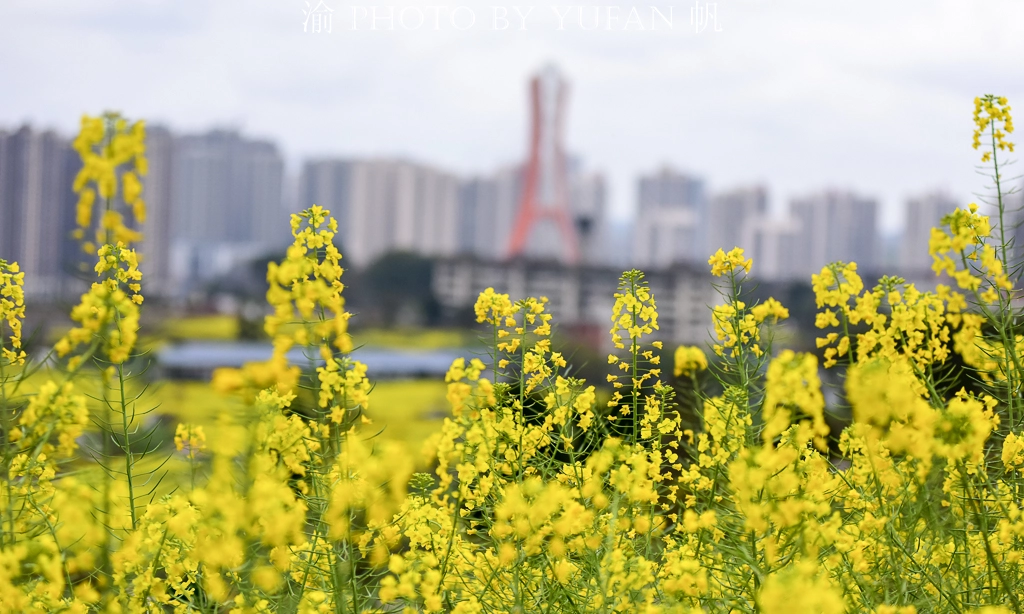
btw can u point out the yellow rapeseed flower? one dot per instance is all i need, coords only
(689, 360)
(12, 312)
(723, 263)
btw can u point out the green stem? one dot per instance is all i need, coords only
(8, 453)
(1008, 590)
(129, 458)
(634, 369)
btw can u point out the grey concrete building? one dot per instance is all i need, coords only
(835, 226)
(37, 208)
(672, 220)
(582, 296)
(386, 205)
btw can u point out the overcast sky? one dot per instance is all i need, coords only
(873, 96)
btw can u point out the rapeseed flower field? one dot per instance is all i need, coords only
(537, 497)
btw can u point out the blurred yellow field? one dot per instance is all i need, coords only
(405, 411)
(201, 327)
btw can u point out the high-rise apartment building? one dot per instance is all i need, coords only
(37, 207)
(226, 205)
(157, 231)
(922, 214)
(228, 189)
(671, 221)
(386, 205)
(327, 182)
(487, 209)
(733, 216)
(771, 243)
(835, 226)
(588, 203)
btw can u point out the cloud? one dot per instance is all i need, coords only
(801, 95)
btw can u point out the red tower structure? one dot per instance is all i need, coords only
(545, 196)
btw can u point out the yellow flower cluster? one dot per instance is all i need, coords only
(53, 419)
(792, 389)
(535, 518)
(634, 311)
(966, 243)
(307, 285)
(571, 404)
(105, 144)
(883, 394)
(494, 308)
(726, 422)
(189, 438)
(916, 327)
(800, 589)
(344, 389)
(989, 112)
(962, 248)
(460, 379)
(108, 313)
(38, 438)
(729, 263)
(256, 376)
(738, 327)
(1013, 452)
(689, 359)
(305, 292)
(12, 312)
(646, 403)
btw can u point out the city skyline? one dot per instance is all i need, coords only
(213, 197)
(777, 206)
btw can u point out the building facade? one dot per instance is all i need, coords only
(734, 215)
(157, 232)
(487, 209)
(228, 189)
(923, 213)
(37, 209)
(835, 226)
(582, 296)
(386, 206)
(226, 195)
(672, 219)
(773, 248)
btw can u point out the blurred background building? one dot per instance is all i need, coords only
(487, 210)
(218, 203)
(158, 233)
(581, 297)
(386, 206)
(772, 242)
(226, 195)
(733, 215)
(923, 213)
(488, 205)
(671, 220)
(37, 207)
(834, 225)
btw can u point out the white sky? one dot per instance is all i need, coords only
(874, 96)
